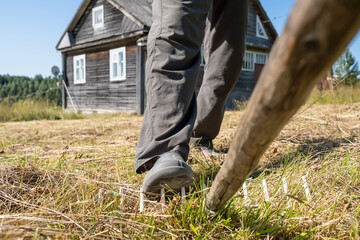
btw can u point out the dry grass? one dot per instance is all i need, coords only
(52, 172)
(28, 110)
(340, 95)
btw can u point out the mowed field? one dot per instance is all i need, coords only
(63, 179)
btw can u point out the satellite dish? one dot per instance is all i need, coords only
(55, 71)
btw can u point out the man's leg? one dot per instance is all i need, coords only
(172, 70)
(224, 45)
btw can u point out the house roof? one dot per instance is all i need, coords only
(139, 11)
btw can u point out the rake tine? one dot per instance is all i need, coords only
(121, 192)
(246, 193)
(285, 185)
(307, 189)
(266, 192)
(162, 199)
(244, 186)
(183, 195)
(100, 196)
(141, 200)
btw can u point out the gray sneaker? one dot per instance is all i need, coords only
(206, 147)
(169, 171)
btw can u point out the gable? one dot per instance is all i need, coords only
(258, 33)
(260, 11)
(122, 19)
(260, 30)
(66, 41)
(115, 24)
(137, 10)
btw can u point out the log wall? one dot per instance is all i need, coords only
(98, 93)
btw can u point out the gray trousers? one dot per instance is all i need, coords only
(173, 114)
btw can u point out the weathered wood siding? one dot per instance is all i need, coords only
(98, 93)
(243, 88)
(115, 23)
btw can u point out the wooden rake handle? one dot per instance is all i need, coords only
(315, 35)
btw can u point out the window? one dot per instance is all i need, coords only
(248, 62)
(79, 69)
(260, 31)
(261, 58)
(98, 16)
(118, 64)
(250, 58)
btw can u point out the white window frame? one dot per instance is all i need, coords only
(251, 67)
(260, 27)
(248, 66)
(94, 10)
(262, 55)
(79, 79)
(113, 58)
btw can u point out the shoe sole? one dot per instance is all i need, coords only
(168, 177)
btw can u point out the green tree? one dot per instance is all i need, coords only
(346, 69)
(39, 88)
(32, 88)
(3, 92)
(13, 89)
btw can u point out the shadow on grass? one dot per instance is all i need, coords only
(310, 148)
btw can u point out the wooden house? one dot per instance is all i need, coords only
(104, 53)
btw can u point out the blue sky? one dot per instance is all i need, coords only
(30, 31)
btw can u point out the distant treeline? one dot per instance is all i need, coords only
(15, 88)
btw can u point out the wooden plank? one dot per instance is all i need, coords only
(115, 24)
(98, 92)
(140, 78)
(64, 77)
(125, 11)
(315, 35)
(139, 94)
(251, 31)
